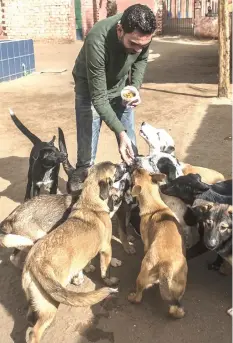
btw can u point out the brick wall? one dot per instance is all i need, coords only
(2, 21)
(40, 19)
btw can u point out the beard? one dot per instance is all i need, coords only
(127, 50)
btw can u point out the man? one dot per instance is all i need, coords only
(114, 55)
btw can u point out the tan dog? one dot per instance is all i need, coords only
(209, 176)
(164, 261)
(61, 255)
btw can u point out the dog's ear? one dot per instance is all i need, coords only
(170, 149)
(158, 177)
(190, 216)
(52, 140)
(104, 189)
(136, 190)
(229, 210)
(201, 209)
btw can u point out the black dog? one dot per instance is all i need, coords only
(44, 163)
(190, 187)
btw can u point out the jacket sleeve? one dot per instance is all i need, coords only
(138, 69)
(96, 74)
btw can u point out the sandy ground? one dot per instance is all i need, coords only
(179, 95)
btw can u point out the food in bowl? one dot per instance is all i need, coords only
(129, 95)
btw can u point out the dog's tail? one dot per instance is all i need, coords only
(69, 169)
(15, 241)
(67, 297)
(34, 139)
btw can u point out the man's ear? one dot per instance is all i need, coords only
(136, 190)
(104, 189)
(158, 177)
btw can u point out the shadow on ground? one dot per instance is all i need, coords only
(12, 297)
(14, 169)
(215, 127)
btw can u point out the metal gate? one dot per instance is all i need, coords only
(181, 26)
(178, 17)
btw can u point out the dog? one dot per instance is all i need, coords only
(217, 222)
(36, 217)
(164, 261)
(162, 150)
(31, 221)
(162, 162)
(190, 187)
(157, 139)
(76, 177)
(44, 163)
(177, 206)
(61, 255)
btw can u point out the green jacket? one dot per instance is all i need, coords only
(102, 69)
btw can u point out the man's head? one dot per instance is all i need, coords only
(136, 28)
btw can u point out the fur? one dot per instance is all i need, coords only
(53, 261)
(164, 261)
(44, 163)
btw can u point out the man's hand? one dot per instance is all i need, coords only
(125, 148)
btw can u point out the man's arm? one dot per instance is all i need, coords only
(95, 61)
(138, 69)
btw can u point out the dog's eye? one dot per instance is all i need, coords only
(223, 227)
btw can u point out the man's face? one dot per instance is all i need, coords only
(133, 42)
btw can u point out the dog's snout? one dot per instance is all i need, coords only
(211, 243)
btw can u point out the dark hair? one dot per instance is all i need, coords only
(140, 18)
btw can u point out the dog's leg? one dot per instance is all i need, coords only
(121, 217)
(144, 280)
(53, 189)
(105, 261)
(29, 186)
(43, 322)
(172, 284)
(35, 190)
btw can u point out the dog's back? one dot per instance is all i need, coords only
(34, 218)
(164, 238)
(164, 260)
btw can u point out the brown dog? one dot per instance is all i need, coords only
(164, 261)
(54, 260)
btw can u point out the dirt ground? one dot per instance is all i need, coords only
(179, 94)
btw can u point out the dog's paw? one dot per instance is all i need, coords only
(112, 281)
(131, 238)
(78, 279)
(176, 312)
(129, 249)
(115, 262)
(132, 297)
(89, 268)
